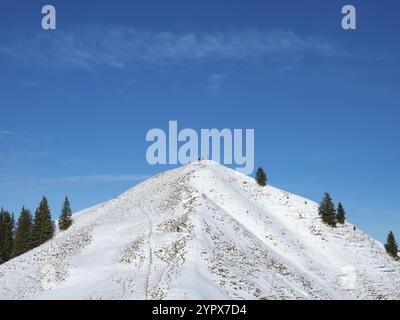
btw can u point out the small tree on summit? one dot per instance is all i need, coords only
(327, 210)
(341, 214)
(65, 220)
(261, 177)
(391, 245)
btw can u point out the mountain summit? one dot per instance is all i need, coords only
(203, 231)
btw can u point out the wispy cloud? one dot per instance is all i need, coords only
(11, 136)
(216, 80)
(15, 156)
(76, 179)
(5, 49)
(127, 47)
(4, 134)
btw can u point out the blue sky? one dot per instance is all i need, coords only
(76, 103)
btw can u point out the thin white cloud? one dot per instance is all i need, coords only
(216, 81)
(127, 47)
(5, 133)
(77, 179)
(97, 178)
(10, 136)
(5, 49)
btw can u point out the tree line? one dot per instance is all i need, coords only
(332, 216)
(329, 214)
(30, 231)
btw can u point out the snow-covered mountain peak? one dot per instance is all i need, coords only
(203, 231)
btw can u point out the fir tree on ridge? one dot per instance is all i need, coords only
(43, 226)
(23, 233)
(391, 245)
(327, 210)
(65, 220)
(6, 235)
(261, 177)
(341, 214)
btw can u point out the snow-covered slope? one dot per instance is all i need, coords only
(203, 231)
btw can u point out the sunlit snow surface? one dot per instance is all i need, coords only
(203, 232)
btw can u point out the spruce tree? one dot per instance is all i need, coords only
(6, 236)
(327, 210)
(43, 226)
(1, 235)
(13, 224)
(341, 214)
(23, 233)
(391, 245)
(261, 177)
(65, 220)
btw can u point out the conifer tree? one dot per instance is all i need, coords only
(65, 220)
(6, 236)
(13, 223)
(341, 214)
(327, 210)
(1, 235)
(43, 226)
(23, 233)
(261, 177)
(391, 245)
